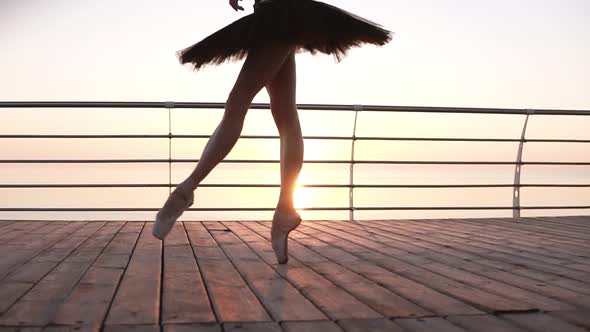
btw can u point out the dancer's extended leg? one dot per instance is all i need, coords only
(282, 91)
(260, 67)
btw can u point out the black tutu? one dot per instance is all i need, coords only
(309, 25)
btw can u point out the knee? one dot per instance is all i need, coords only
(284, 104)
(236, 107)
(285, 114)
(241, 95)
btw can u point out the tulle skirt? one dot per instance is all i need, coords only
(309, 25)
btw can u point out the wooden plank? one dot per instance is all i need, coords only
(22, 279)
(133, 227)
(577, 266)
(251, 327)
(63, 248)
(493, 252)
(547, 290)
(137, 300)
(560, 226)
(528, 230)
(28, 313)
(475, 238)
(29, 247)
(461, 251)
(77, 328)
(31, 272)
(199, 327)
(580, 318)
(429, 324)
(524, 235)
(214, 226)
(20, 329)
(543, 283)
(513, 241)
(512, 238)
(280, 298)
(18, 229)
(231, 297)
(413, 240)
(534, 224)
(131, 328)
(10, 292)
(503, 226)
(16, 258)
(492, 286)
(369, 292)
(316, 326)
(478, 322)
(38, 305)
(14, 227)
(117, 261)
(89, 301)
(478, 276)
(424, 296)
(373, 325)
(524, 261)
(35, 237)
(527, 243)
(335, 302)
(185, 298)
(89, 250)
(378, 255)
(540, 322)
(5, 223)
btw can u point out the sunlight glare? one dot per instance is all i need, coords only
(301, 196)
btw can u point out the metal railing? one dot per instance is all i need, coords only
(351, 186)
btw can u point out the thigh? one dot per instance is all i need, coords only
(282, 90)
(260, 67)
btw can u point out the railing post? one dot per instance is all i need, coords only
(518, 169)
(169, 105)
(357, 109)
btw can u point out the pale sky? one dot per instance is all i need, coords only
(470, 53)
(502, 53)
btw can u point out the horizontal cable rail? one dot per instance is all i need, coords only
(254, 185)
(380, 208)
(250, 161)
(358, 138)
(317, 107)
(516, 207)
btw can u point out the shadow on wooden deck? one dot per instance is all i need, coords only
(531, 274)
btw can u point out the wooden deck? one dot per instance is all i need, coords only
(531, 274)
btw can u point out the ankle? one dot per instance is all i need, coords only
(191, 183)
(285, 210)
(285, 214)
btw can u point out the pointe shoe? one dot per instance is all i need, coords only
(181, 199)
(282, 225)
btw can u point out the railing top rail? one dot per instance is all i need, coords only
(320, 107)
